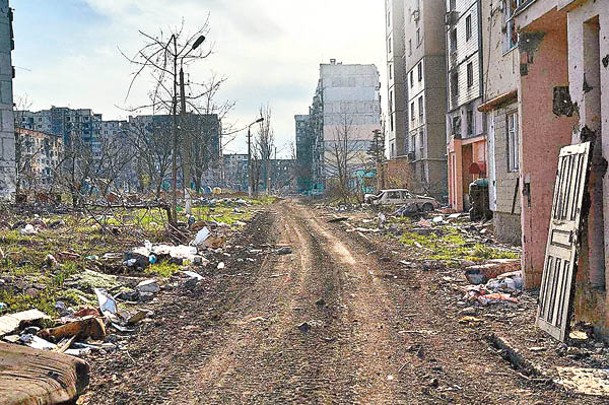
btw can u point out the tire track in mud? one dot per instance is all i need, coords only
(343, 354)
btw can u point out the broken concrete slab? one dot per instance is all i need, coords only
(30, 376)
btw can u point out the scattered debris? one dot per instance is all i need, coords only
(87, 327)
(284, 250)
(12, 322)
(148, 286)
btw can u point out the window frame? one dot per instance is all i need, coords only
(512, 142)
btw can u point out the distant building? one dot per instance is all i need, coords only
(283, 175)
(235, 171)
(78, 127)
(466, 132)
(38, 157)
(203, 146)
(305, 141)
(395, 127)
(425, 82)
(344, 113)
(7, 131)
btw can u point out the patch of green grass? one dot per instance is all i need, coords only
(162, 269)
(452, 245)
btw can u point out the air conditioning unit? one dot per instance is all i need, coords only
(416, 14)
(451, 18)
(412, 156)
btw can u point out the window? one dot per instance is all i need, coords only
(453, 4)
(421, 107)
(409, 47)
(468, 27)
(471, 123)
(412, 111)
(389, 18)
(413, 142)
(454, 84)
(420, 71)
(411, 78)
(470, 74)
(456, 125)
(390, 71)
(513, 143)
(389, 45)
(421, 143)
(418, 37)
(510, 34)
(453, 40)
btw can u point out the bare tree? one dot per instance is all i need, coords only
(203, 140)
(164, 60)
(264, 146)
(343, 153)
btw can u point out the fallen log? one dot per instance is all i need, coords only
(31, 376)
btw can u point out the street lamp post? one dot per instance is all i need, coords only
(186, 145)
(249, 157)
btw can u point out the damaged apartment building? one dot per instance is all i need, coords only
(7, 133)
(564, 117)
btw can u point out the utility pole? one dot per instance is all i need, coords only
(249, 161)
(174, 160)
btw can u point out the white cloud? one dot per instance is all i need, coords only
(270, 51)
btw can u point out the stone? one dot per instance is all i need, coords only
(148, 286)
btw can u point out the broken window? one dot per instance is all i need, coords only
(512, 142)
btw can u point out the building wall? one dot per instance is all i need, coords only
(543, 48)
(395, 127)
(425, 81)
(504, 184)
(7, 131)
(588, 29)
(501, 67)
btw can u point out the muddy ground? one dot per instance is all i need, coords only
(337, 321)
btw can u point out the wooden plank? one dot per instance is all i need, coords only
(30, 376)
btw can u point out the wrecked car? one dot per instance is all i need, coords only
(401, 197)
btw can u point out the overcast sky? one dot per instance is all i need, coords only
(66, 51)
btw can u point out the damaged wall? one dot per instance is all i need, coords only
(544, 66)
(588, 39)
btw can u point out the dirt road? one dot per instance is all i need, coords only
(337, 321)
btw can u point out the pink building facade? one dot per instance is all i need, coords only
(563, 95)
